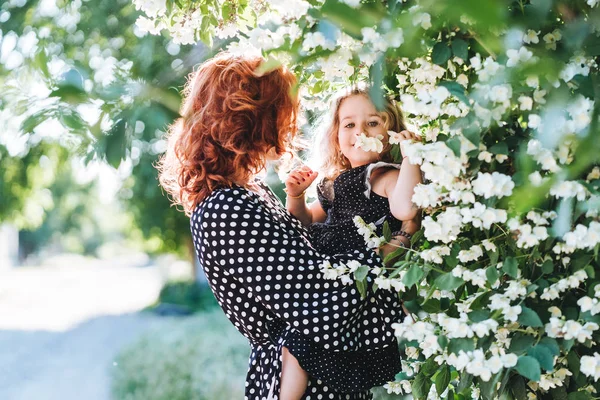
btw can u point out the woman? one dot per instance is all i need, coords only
(256, 256)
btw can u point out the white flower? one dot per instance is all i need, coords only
(422, 19)
(494, 184)
(462, 80)
(474, 253)
(590, 366)
(368, 143)
(531, 37)
(512, 313)
(534, 121)
(526, 103)
(569, 189)
(552, 38)
(313, 40)
(152, 8)
(516, 57)
(532, 81)
(435, 254)
(352, 3)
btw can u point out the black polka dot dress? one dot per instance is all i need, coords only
(265, 275)
(348, 195)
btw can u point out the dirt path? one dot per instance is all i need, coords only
(61, 327)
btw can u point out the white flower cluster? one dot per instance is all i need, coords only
(494, 184)
(476, 277)
(339, 271)
(461, 328)
(475, 363)
(475, 252)
(582, 237)
(421, 331)
(368, 143)
(571, 282)
(590, 366)
(591, 304)
(435, 254)
(398, 387)
(501, 301)
(528, 235)
(312, 40)
(445, 228)
(368, 232)
(570, 329)
(567, 189)
(554, 379)
(481, 216)
(542, 156)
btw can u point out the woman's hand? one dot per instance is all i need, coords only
(299, 180)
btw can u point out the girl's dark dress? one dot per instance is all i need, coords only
(343, 198)
(265, 274)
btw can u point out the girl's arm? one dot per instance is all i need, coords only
(401, 191)
(307, 214)
(295, 185)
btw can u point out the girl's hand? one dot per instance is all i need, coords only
(298, 180)
(407, 135)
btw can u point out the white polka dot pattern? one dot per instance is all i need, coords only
(343, 199)
(265, 275)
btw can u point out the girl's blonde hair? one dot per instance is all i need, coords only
(331, 161)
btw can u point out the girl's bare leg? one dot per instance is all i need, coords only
(293, 378)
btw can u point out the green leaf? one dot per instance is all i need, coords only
(552, 345)
(456, 89)
(464, 344)
(351, 20)
(362, 288)
(431, 306)
(491, 273)
(442, 379)
(574, 363)
(543, 355)
(528, 317)
(387, 232)
(448, 281)
(548, 266)
(478, 315)
(429, 367)
(529, 367)
(420, 386)
(460, 48)
(517, 386)
(511, 267)
(441, 53)
(361, 272)
(116, 143)
(519, 344)
(377, 72)
(414, 275)
(454, 144)
(499, 148)
(581, 395)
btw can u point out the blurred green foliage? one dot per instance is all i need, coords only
(197, 358)
(113, 90)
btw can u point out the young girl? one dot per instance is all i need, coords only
(357, 182)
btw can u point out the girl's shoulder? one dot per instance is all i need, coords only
(227, 200)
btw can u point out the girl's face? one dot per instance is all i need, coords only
(357, 115)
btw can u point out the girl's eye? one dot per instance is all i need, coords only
(373, 123)
(350, 125)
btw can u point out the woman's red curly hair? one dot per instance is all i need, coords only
(231, 118)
